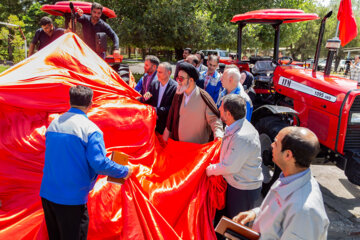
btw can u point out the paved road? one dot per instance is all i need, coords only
(342, 201)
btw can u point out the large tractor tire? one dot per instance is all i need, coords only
(268, 127)
(123, 71)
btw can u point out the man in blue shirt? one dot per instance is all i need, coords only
(75, 154)
(94, 24)
(150, 69)
(231, 83)
(45, 35)
(210, 79)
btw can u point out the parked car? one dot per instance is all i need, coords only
(223, 54)
(322, 64)
(342, 66)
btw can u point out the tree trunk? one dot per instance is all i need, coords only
(143, 53)
(10, 50)
(178, 54)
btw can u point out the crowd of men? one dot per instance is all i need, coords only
(199, 105)
(196, 108)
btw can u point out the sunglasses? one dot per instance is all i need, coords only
(181, 79)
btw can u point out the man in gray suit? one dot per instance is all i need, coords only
(161, 94)
(240, 157)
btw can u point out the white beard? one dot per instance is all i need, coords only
(181, 90)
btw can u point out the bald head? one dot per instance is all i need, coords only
(303, 144)
(230, 79)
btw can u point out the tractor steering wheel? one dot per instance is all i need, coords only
(275, 63)
(288, 63)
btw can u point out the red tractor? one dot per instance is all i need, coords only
(67, 10)
(292, 95)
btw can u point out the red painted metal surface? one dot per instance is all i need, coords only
(243, 66)
(60, 8)
(270, 15)
(319, 115)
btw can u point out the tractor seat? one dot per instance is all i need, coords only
(263, 70)
(263, 67)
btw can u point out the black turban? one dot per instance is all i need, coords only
(190, 70)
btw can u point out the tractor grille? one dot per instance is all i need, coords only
(352, 140)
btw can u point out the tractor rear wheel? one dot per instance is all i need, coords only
(123, 71)
(268, 127)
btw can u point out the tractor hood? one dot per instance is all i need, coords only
(324, 92)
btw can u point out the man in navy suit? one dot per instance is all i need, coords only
(161, 94)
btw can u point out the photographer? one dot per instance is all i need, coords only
(355, 69)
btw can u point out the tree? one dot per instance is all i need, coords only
(12, 47)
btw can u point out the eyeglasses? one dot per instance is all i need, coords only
(181, 79)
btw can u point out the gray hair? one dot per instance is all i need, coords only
(167, 66)
(234, 73)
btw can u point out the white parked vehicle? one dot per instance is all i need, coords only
(223, 54)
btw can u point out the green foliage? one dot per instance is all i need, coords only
(137, 76)
(32, 17)
(11, 36)
(3, 68)
(163, 25)
(305, 46)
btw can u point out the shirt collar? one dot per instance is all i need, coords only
(77, 111)
(165, 84)
(234, 126)
(296, 181)
(286, 180)
(190, 93)
(236, 90)
(214, 74)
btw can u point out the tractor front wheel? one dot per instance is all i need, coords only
(268, 127)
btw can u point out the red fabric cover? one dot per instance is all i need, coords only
(167, 197)
(348, 29)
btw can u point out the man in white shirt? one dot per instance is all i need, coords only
(293, 208)
(161, 94)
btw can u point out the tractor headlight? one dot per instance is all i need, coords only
(355, 118)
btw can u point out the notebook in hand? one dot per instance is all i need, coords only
(234, 230)
(119, 158)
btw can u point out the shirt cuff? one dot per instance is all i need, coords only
(256, 211)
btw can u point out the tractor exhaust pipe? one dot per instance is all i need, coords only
(241, 25)
(318, 45)
(73, 26)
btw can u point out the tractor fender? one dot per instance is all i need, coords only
(267, 110)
